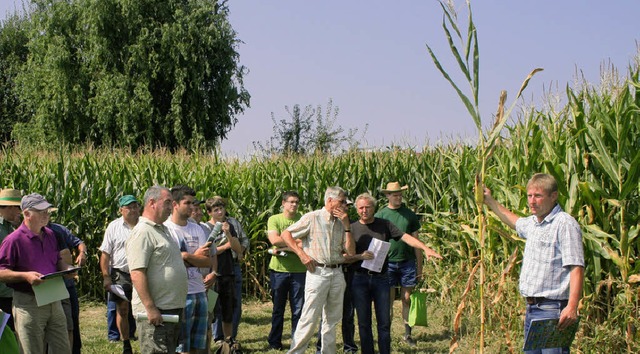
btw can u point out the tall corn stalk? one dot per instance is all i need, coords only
(469, 63)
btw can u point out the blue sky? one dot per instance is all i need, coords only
(370, 58)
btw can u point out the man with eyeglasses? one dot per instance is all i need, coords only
(326, 237)
(286, 272)
(27, 254)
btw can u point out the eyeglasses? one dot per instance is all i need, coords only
(341, 201)
(293, 201)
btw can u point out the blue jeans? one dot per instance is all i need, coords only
(285, 286)
(544, 310)
(348, 325)
(368, 288)
(217, 324)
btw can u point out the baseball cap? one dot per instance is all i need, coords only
(37, 202)
(126, 200)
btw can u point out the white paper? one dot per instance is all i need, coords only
(50, 290)
(119, 291)
(165, 318)
(380, 249)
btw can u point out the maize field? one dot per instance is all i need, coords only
(591, 145)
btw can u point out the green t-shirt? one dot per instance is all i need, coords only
(291, 263)
(405, 220)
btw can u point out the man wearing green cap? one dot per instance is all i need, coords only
(113, 263)
(9, 220)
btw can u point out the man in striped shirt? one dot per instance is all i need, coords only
(326, 237)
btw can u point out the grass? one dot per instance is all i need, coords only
(256, 323)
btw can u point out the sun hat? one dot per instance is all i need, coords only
(126, 200)
(10, 197)
(37, 202)
(394, 187)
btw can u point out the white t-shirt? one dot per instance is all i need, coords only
(192, 237)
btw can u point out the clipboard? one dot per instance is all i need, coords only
(60, 273)
(544, 333)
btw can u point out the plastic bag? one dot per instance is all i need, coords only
(418, 309)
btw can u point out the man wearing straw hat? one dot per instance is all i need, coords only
(9, 220)
(405, 262)
(27, 254)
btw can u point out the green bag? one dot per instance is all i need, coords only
(418, 309)
(8, 342)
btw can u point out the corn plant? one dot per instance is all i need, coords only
(468, 61)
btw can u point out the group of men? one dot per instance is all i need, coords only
(164, 262)
(318, 256)
(332, 250)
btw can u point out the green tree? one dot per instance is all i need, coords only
(302, 135)
(138, 72)
(13, 52)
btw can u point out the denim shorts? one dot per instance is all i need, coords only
(403, 273)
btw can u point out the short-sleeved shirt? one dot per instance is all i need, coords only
(5, 229)
(380, 229)
(322, 236)
(115, 236)
(151, 247)
(552, 247)
(408, 222)
(24, 251)
(191, 237)
(291, 263)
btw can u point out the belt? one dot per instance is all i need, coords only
(322, 265)
(120, 271)
(535, 300)
(368, 272)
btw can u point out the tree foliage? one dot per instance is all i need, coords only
(131, 72)
(301, 134)
(13, 52)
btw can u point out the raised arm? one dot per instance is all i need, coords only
(506, 215)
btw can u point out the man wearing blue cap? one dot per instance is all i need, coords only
(114, 267)
(25, 256)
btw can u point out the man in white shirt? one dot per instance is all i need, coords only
(195, 253)
(113, 263)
